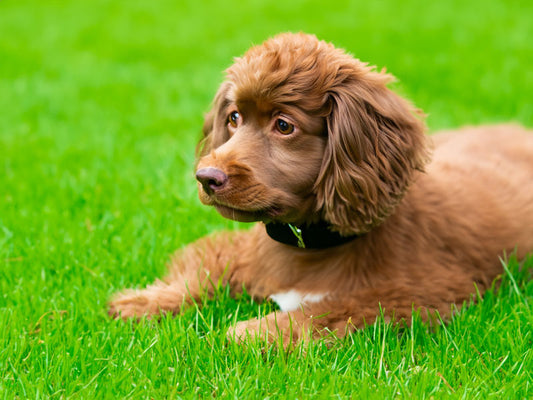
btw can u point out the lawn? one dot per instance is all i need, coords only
(101, 105)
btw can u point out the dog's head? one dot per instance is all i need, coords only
(301, 131)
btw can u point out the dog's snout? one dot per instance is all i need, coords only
(212, 179)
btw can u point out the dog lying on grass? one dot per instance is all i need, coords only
(358, 212)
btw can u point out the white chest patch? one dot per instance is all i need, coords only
(292, 300)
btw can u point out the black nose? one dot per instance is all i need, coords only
(212, 179)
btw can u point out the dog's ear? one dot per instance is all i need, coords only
(214, 128)
(376, 142)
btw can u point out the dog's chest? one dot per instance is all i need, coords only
(292, 300)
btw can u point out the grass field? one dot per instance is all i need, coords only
(101, 105)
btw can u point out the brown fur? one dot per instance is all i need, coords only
(428, 233)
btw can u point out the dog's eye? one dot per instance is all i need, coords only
(233, 118)
(284, 127)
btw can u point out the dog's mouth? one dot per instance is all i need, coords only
(240, 215)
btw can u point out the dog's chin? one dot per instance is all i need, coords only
(241, 214)
(236, 214)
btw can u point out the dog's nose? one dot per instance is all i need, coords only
(212, 179)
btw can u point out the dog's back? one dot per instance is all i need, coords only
(488, 172)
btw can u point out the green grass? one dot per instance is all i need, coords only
(101, 105)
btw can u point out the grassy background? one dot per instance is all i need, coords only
(101, 105)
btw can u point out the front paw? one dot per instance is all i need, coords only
(272, 328)
(247, 329)
(131, 304)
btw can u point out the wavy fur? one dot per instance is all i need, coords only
(429, 232)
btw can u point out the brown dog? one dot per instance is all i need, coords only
(312, 143)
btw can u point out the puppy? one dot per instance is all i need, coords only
(354, 218)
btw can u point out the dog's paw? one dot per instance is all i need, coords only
(250, 329)
(272, 329)
(152, 301)
(131, 304)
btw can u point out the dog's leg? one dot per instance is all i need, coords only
(340, 316)
(193, 271)
(303, 324)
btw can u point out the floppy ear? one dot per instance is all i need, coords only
(214, 128)
(376, 142)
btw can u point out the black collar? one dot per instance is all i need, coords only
(312, 236)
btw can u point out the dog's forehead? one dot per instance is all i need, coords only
(273, 67)
(274, 89)
(247, 98)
